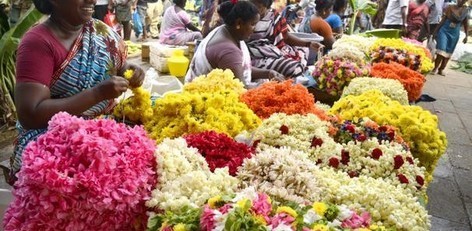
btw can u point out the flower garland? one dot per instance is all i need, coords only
(388, 205)
(306, 133)
(389, 87)
(285, 97)
(137, 108)
(220, 150)
(250, 210)
(284, 174)
(332, 75)
(347, 52)
(185, 179)
(388, 55)
(360, 42)
(418, 127)
(83, 175)
(426, 63)
(411, 80)
(215, 81)
(186, 113)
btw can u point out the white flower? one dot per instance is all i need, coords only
(311, 217)
(282, 227)
(389, 87)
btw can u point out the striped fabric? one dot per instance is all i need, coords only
(269, 50)
(95, 54)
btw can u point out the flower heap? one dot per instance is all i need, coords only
(185, 178)
(388, 55)
(389, 87)
(332, 75)
(379, 152)
(347, 52)
(360, 42)
(426, 63)
(411, 80)
(306, 133)
(284, 97)
(284, 174)
(250, 210)
(418, 45)
(136, 109)
(83, 175)
(220, 150)
(418, 127)
(186, 113)
(217, 80)
(388, 205)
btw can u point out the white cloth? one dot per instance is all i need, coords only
(201, 66)
(393, 14)
(101, 2)
(435, 11)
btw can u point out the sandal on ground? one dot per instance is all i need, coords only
(441, 73)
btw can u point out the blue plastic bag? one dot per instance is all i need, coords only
(137, 24)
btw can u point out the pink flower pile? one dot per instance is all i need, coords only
(84, 175)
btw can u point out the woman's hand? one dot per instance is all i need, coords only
(274, 75)
(111, 88)
(138, 75)
(316, 46)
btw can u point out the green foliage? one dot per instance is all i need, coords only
(8, 44)
(190, 217)
(364, 6)
(464, 63)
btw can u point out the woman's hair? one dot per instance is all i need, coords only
(43, 6)
(323, 4)
(339, 5)
(178, 2)
(266, 3)
(230, 12)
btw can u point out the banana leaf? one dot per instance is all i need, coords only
(8, 45)
(364, 6)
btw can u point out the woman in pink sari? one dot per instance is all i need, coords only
(177, 28)
(417, 17)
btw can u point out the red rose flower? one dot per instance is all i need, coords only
(284, 129)
(353, 174)
(334, 162)
(345, 157)
(410, 160)
(398, 160)
(377, 153)
(402, 178)
(315, 142)
(420, 180)
(350, 128)
(361, 138)
(319, 161)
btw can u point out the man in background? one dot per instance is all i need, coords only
(395, 15)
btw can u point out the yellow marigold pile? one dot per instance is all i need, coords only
(184, 113)
(216, 80)
(418, 127)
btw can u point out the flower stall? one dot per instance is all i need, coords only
(219, 157)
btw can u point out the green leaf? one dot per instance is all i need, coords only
(367, 7)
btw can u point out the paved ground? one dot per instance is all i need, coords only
(450, 194)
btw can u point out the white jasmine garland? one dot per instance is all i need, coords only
(301, 131)
(387, 204)
(185, 179)
(347, 52)
(360, 42)
(281, 173)
(389, 87)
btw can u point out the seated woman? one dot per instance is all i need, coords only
(273, 48)
(335, 19)
(224, 47)
(319, 25)
(68, 63)
(175, 23)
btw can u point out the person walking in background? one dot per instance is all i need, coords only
(435, 12)
(335, 18)
(177, 28)
(141, 6)
(123, 15)
(447, 34)
(395, 15)
(100, 9)
(155, 11)
(18, 8)
(378, 18)
(417, 18)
